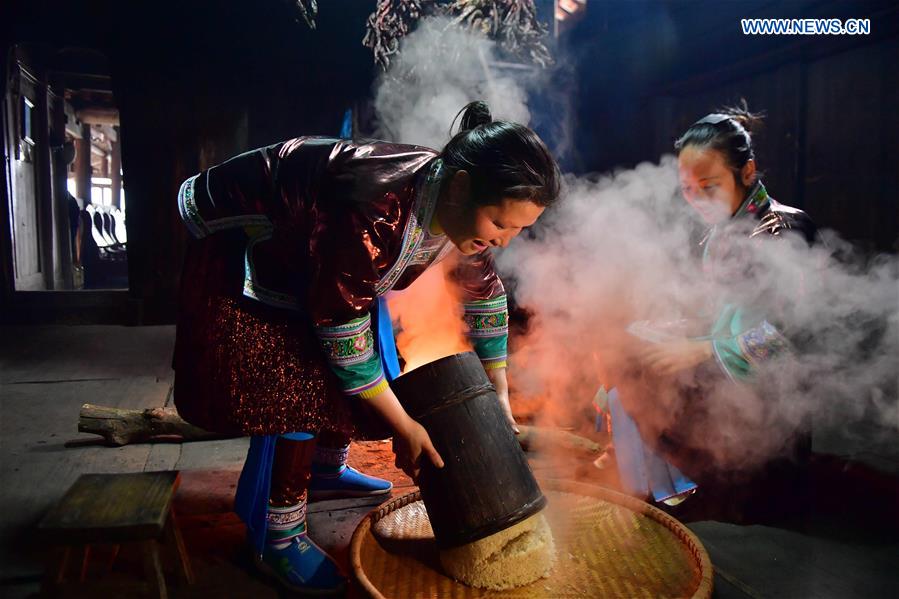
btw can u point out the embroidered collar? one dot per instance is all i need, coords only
(416, 229)
(755, 202)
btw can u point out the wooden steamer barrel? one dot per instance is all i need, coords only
(486, 485)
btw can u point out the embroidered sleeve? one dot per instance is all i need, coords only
(486, 313)
(361, 215)
(740, 354)
(488, 330)
(350, 350)
(340, 297)
(230, 195)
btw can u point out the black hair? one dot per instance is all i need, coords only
(503, 159)
(728, 130)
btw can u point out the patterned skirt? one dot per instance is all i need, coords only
(243, 367)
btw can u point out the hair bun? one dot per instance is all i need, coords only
(474, 114)
(751, 121)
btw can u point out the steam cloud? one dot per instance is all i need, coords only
(440, 69)
(622, 247)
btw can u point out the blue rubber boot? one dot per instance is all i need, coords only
(294, 560)
(332, 478)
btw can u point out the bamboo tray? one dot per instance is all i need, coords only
(607, 545)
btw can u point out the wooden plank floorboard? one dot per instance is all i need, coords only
(222, 454)
(60, 353)
(163, 456)
(47, 374)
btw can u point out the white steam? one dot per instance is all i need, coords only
(622, 247)
(440, 69)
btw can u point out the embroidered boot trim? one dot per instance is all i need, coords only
(286, 518)
(335, 457)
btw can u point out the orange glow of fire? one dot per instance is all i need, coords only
(430, 316)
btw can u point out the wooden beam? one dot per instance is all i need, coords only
(97, 150)
(115, 169)
(43, 191)
(73, 125)
(99, 116)
(83, 164)
(110, 132)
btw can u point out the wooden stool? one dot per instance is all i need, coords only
(116, 509)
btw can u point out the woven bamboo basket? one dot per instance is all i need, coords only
(607, 545)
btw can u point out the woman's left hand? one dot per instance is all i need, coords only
(497, 376)
(672, 357)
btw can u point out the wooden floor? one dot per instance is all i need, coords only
(48, 372)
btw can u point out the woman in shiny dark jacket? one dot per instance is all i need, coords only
(279, 334)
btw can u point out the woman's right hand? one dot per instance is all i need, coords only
(410, 439)
(410, 445)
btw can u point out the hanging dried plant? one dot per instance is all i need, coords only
(307, 9)
(512, 23)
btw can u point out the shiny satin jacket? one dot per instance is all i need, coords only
(331, 226)
(744, 336)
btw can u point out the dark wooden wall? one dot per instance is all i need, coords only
(830, 143)
(200, 80)
(851, 150)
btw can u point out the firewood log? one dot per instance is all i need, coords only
(121, 427)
